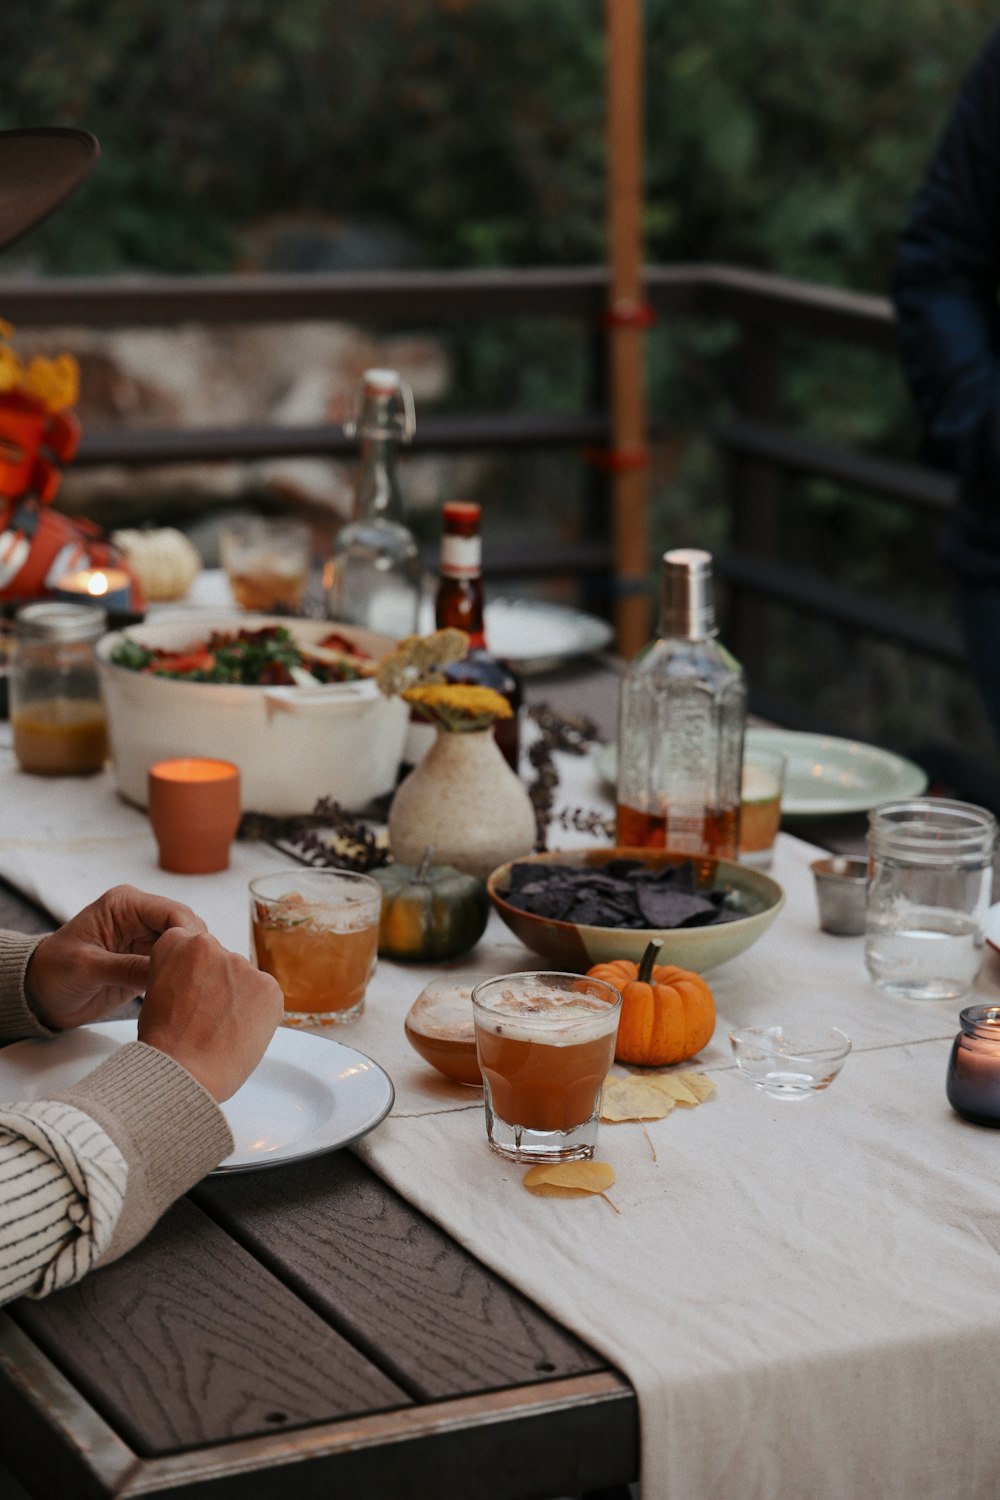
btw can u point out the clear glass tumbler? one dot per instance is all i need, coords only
(930, 880)
(545, 1044)
(316, 932)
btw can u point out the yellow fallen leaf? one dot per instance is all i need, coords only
(687, 1089)
(571, 1179)
(577, 1176)
(634, 1099)
(700, 1084)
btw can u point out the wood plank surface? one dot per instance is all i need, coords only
(396, 1285)
(188, 1340)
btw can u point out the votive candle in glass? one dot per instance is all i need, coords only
(973, 1081)
(110, 587)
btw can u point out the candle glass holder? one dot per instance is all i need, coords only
(108, 588)
(973, 1079)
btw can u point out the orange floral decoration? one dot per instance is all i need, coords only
(37, 429)
(39, 546)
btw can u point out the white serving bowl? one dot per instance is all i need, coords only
(293, 745)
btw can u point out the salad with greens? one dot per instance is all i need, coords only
(269, 657)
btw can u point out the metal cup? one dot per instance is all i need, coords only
(841, 885)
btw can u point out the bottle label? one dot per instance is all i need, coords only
(461, 556)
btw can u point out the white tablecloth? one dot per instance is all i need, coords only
(805, 1296)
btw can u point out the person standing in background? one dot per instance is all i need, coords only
(944, 288)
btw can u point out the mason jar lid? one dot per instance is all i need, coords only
(932, 831)
(54, 621)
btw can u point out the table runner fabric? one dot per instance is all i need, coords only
(805, 1296)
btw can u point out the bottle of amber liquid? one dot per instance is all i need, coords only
(682, 716)
(460, 603)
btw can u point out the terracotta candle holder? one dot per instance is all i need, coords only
(194, 809)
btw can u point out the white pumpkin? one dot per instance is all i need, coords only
(165, 563)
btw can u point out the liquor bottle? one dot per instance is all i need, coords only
(460, 602)
(682, 715)
(374, 573)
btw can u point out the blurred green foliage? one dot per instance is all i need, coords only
(787, 134)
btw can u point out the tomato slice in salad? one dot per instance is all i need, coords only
(194, 661)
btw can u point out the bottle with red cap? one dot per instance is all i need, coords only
(460, 603)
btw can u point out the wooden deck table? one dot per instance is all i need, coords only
(305, 1332)
(308, 1332)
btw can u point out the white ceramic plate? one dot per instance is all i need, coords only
(309, 1095)
(825, 775)
(535, 636)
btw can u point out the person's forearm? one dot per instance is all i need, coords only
(62, 1186)
(17, 1019)
(84, 1176)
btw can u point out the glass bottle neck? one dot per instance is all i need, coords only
(378, 493)
(677, 627)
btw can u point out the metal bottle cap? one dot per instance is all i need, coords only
(687, 606)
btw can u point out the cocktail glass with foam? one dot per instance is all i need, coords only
(545, 1043)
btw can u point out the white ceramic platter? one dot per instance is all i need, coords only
(535, 636)
(825, 775)
(309, 1095)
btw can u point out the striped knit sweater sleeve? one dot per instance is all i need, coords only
(86, 1174)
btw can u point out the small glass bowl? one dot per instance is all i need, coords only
(789, 1062)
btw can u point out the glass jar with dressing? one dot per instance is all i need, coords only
(56, 710)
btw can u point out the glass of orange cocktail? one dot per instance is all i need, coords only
(545, 1043)
(266, 560)
(760, 814)
(316, 932)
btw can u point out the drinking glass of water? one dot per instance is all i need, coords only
(929, 888)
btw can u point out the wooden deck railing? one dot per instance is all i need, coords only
(762, 454)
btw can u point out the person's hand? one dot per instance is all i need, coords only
(97, 961)
(209, 1009)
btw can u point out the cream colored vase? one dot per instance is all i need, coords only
(464, 799)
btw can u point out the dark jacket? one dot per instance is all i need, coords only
(945, 291)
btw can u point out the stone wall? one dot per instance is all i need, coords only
(288, 374)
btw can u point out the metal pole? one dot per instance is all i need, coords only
(628, 317)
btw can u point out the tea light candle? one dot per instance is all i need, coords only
(973, 1081)
(194, 810)
(110, 587)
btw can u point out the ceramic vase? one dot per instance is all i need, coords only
(465, 801)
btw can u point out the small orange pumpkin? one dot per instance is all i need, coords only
(668, 1014)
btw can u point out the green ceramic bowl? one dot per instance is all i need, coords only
(575, 948)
